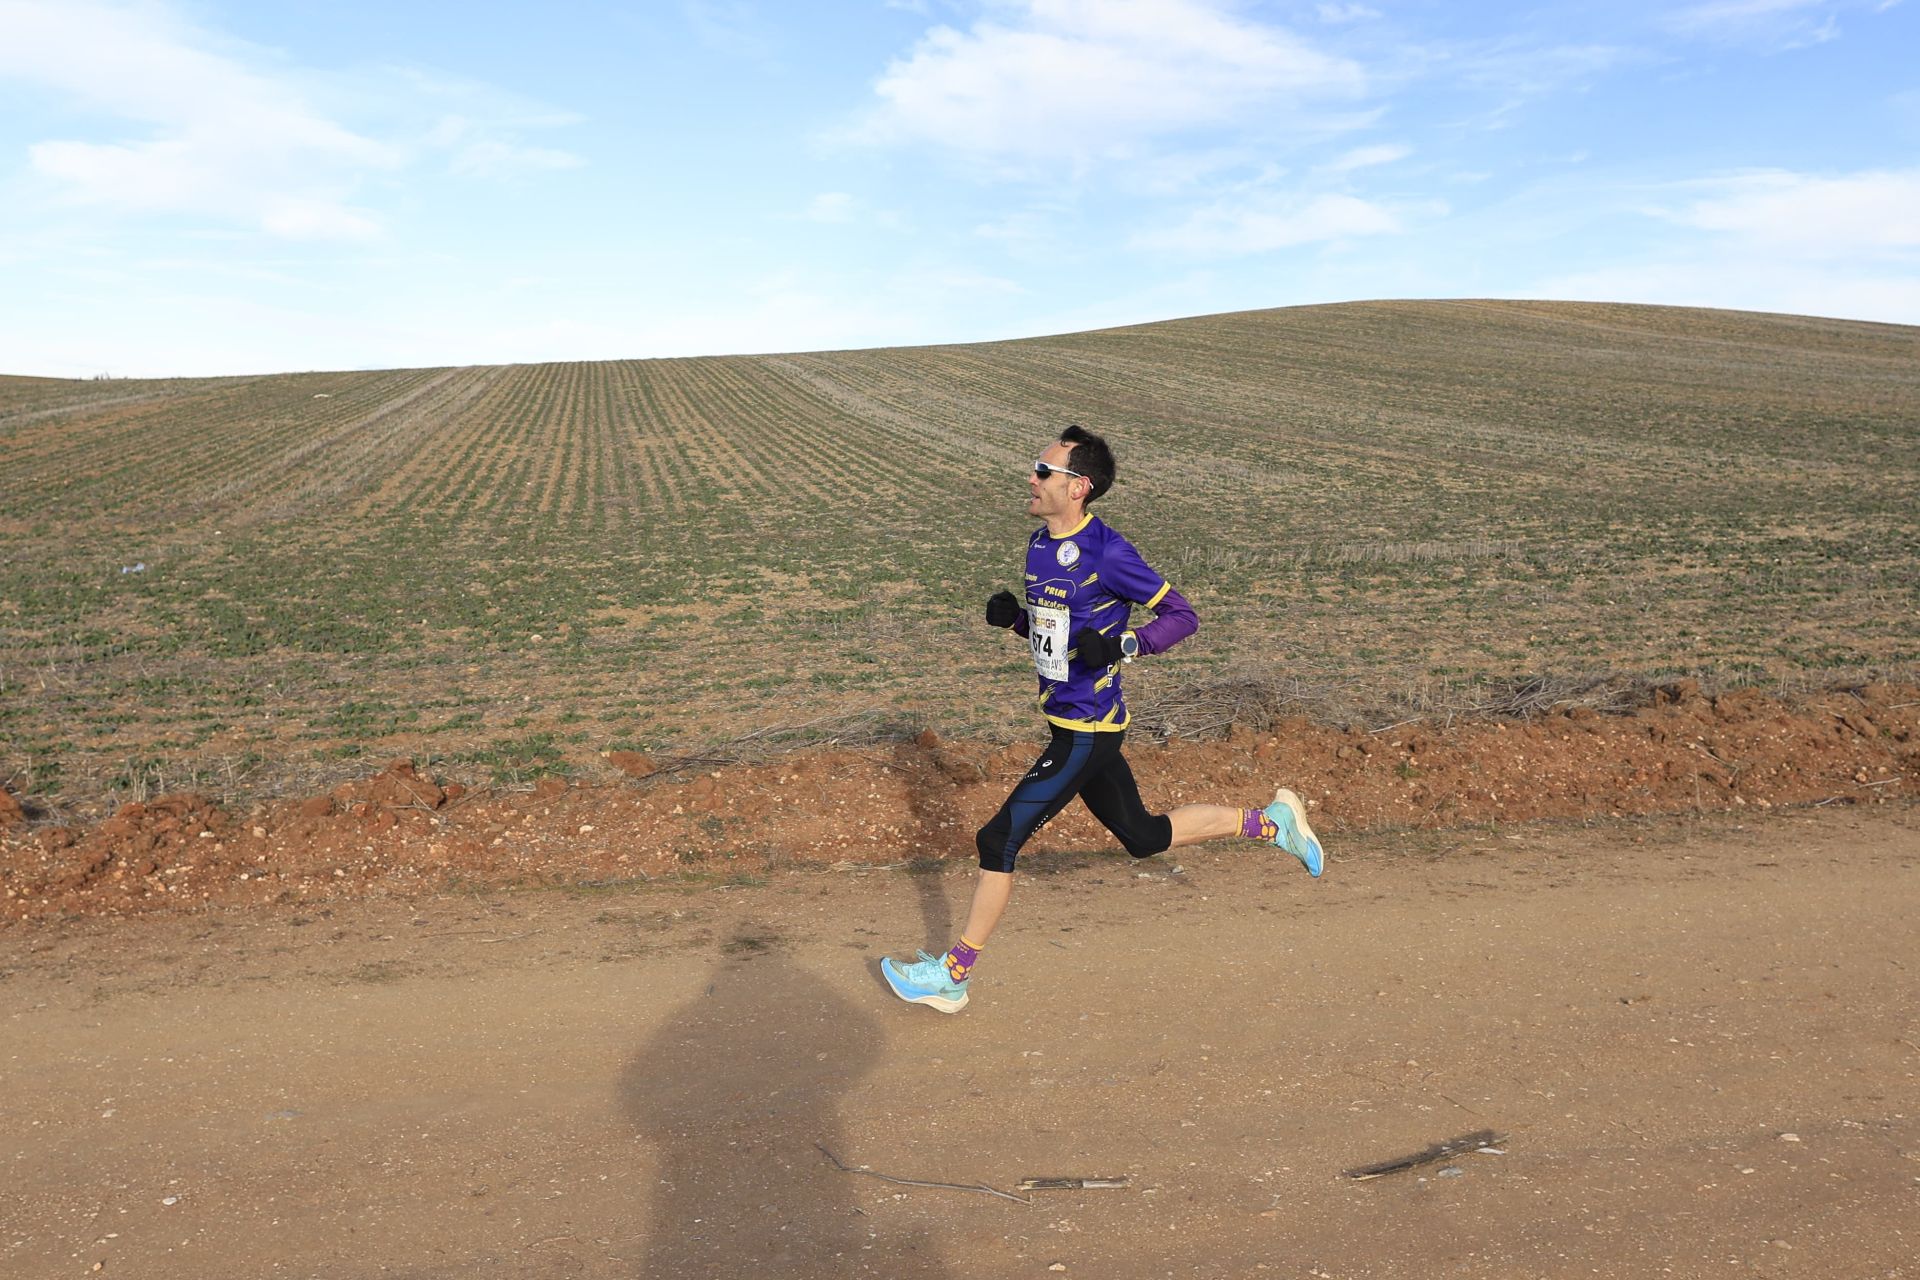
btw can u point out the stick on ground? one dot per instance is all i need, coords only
(910, 1182)
(1438, 1151)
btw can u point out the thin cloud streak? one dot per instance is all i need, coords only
(1281, 222)
(1811, 215)
(1085, 79)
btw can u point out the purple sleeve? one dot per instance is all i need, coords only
(1020, 627)
(1173, 622)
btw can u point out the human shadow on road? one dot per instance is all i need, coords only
(938, 840)
(737, 1091)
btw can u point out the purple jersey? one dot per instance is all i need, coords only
(1091, 577)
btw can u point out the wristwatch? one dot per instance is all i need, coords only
(1129, 646)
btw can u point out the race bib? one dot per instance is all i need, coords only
(1047, 631)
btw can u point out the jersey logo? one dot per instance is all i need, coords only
(1068, 554)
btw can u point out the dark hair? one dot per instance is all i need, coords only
(1090, 457)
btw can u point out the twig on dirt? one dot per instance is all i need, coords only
(611, 882)
(1395, 725)
(1886, 782)
(468, 933)
(1073, 1184)
(474, 794)
(910, 1182)
(415, 803)
(1719, 758)
(1438, 1151)
(677, 763)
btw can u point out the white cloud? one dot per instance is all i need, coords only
(1811, 216)
(1726, 15)
(1827, 245)
(477, 127)
(495, 158)
(1021, 227)
(1081, 79)
(1334, 14)
(841, 209)
(1734, 12)
(1528, 70)
(225, 140)
(1781, 24)
(229, 133)
(483, 150)
(1275, 222)
(1368, 157)
(830, 206)
(733, 27)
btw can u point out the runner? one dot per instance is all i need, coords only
(1082, 581)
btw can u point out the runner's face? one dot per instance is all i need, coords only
(1057, 494)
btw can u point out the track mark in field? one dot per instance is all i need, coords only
(322, 468)
(403, 475)
(789, 438)
(12, 422)
(478, 484)
(900, 414)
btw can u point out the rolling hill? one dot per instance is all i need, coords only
(239, 582)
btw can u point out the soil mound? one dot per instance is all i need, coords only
(399, 832)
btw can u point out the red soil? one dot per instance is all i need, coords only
(398, 833)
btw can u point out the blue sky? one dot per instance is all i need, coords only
(216, 187)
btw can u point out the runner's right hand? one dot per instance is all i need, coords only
(1002, 609)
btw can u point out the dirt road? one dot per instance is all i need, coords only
(1700, 1040)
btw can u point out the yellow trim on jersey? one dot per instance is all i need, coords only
(1084, 522)
(1094, 726)
(1103, 681)
(1160, 595)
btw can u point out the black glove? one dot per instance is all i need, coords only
(1095, 649)
(1002, 609)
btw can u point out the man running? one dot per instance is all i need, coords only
(1081, 583)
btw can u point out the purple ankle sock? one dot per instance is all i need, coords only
(1255, 825)
(961, 959)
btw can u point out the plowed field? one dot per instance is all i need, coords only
(258, 587)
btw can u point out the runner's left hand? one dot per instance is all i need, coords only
(1095, 649)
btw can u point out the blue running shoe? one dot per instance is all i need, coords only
(1289, 817)
(925, 983)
